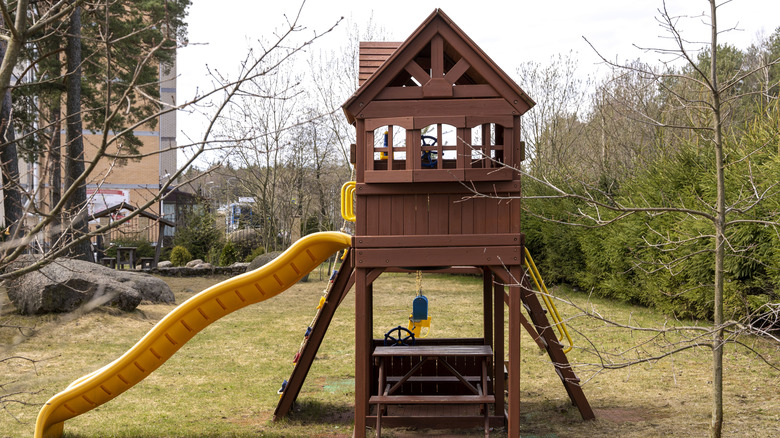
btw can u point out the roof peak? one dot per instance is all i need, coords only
(436, 58)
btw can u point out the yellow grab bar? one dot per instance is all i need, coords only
(551, 309)
(347, 202)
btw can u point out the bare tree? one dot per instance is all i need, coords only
(554, 128)
(273, 57)
(334, 77)
(258, 124)
(698, 107)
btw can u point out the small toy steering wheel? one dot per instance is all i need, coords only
(429, 158)
(399, 336)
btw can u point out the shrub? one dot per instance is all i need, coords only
(180, 256)
(245, 241)
(200, 235)
(213, 255)
(228, 255)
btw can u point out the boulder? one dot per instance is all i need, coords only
(149, 287)
(165, 264)
(66, 284)
(194, 263)
(262, 259)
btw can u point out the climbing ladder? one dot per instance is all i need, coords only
(544, 335)
(335, 294)
(555, 350)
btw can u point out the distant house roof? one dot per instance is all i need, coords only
(130, 207)
(399, 69)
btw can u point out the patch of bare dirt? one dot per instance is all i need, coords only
(624, 415)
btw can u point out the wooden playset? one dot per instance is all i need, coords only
(438, 139)
(427, 199)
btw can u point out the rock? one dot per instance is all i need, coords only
(165, 264)
(201, 265)
(149, 287)
(262, 259)
(193, 263)
(240, 265)
(65, 285)
(182, 271)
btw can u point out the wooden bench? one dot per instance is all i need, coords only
(109, 262)
(146, 262)
(388, 385)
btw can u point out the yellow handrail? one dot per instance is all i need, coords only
(551, 309)
(347, 202)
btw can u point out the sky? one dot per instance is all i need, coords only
(509, 31)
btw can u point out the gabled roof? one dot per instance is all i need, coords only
(478, 64)
(131, 208)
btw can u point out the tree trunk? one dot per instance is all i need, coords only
(13, 46)
(55, 168)
(74, 148)
(12, 198)
(9, 159)
(716, 425)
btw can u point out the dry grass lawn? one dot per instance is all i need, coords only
(223, 383)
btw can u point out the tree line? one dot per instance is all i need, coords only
(639, 138)
(659, 186)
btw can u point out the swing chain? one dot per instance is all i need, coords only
(419, 283)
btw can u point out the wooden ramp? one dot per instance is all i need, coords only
(336, 293)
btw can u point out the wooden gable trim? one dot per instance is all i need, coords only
(441, 107)
(131, 208)
(437, 28)
(493, 74)
(389, 70)
(461, 91)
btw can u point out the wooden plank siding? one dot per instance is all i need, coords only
(437, 214)
(371, 56)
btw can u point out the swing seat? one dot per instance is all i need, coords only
(420, 308)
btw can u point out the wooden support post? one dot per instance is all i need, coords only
(500, 142)
(463, 156)
(487, 305)
(485, 161)
(515, 306)
(362, 150)
(363, 335)
(439, 146)
(389, 151)
(498, 345)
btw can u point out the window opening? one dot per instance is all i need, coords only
(387, 135)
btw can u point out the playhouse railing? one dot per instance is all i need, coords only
(548, 302)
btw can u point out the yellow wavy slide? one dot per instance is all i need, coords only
(184, 322)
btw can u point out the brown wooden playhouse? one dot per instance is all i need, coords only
(438, 136)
